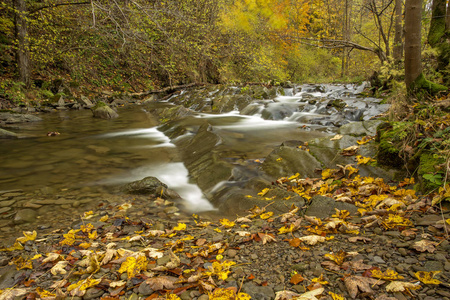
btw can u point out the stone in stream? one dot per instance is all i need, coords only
(103, 111)
(148, 185)
(11, 118)
(5, 134)
(25, 216)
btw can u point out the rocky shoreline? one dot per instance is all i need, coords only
(338, 234)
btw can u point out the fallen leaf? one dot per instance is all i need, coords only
(133, 265)
(401, 286)
(266, 215)
(59, 268)
(296, 279)
(349, 151)
(425, 245)
(354, 239)
(312, 239)
(336, 137)
(162, 283)
(386, 275)
(338, 257)
(227, 223)
(27, 236)
(427, 277)
(180, 226)
(358, 283)
(266, 238)
(336, 296)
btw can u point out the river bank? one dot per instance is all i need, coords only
(338, 230)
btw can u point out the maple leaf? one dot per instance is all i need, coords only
(425, 245)
(354, 239)
(313, 220)
(172, 297)
(27, 236)
(360, 160)
(319, 280)
(312, 239)
(401, 286)
(133, 266)
(290, 214)
(263, 192)
(266, 238)
(22, 263)
(296, 279)
(243, 220)
(69, 238)
(266, 215)
(43, 293)
(243, 296)
(349, 151)
(180, 226)
(59, 268)
(287, 295)
(327, 173)
(365, 140)
(79, 288)
(338, 257)
(358, 283)
(285, 229)
(427, 277)
(17, 246)
(162, 283)
(9, 294)
(386, 275)
(227, 223)
(222, 294)
(336, 296)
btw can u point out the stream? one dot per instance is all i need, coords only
(92, 157)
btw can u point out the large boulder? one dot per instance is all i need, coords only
(148, 185)
(104, 112)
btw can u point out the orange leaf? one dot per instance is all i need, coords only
(295, 242)
(296, 279)
(251, 277)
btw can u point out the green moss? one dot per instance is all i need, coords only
(422, 84)
(99, 104)
(429, 177)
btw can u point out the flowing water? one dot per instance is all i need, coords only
(94, 155)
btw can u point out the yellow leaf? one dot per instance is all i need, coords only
(180, 226)
(219, 257)
(92, 235)
(104, 218)
(36, 256)
(87, 228)
(217, 230)
(16, 246)
(43, 293)
(285, 229)
(133, 266)
(327, 173)
(28, 236)
(243, 296)
(85, 245)
(69, 238)
(227, 223)
(386, 275)
(263, 192)
(447, 221)
(22, 263)
(365, 140)
(84, 284)
(266, 215)
(279, 159)
(294, 176)
(336, 296)
(360, 160)
(88, 214)
(336, 137)
(320, 280)
(427, 277)
(338, 257)
(222, 294)
(172, 297)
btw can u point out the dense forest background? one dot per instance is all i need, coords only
(134, 45)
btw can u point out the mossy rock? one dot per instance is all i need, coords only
(429, 177)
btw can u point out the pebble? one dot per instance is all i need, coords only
(402, 251)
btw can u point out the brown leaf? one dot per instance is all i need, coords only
(425, 245)
(330, 265)
(358, 283)
(357, 265)
(161, 283)
(200, 242)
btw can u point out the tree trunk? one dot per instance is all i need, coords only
(22, 53)
(398, 41)
(413, 64)
(437, 24)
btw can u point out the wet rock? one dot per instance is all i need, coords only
(285, 161)
(5, 134)
(145, 289)
(360, 128)
(25, 216)
(84, 101)
(104, 112)
(323, 207)
(10, 118)
(93, 293)
(148, 185)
